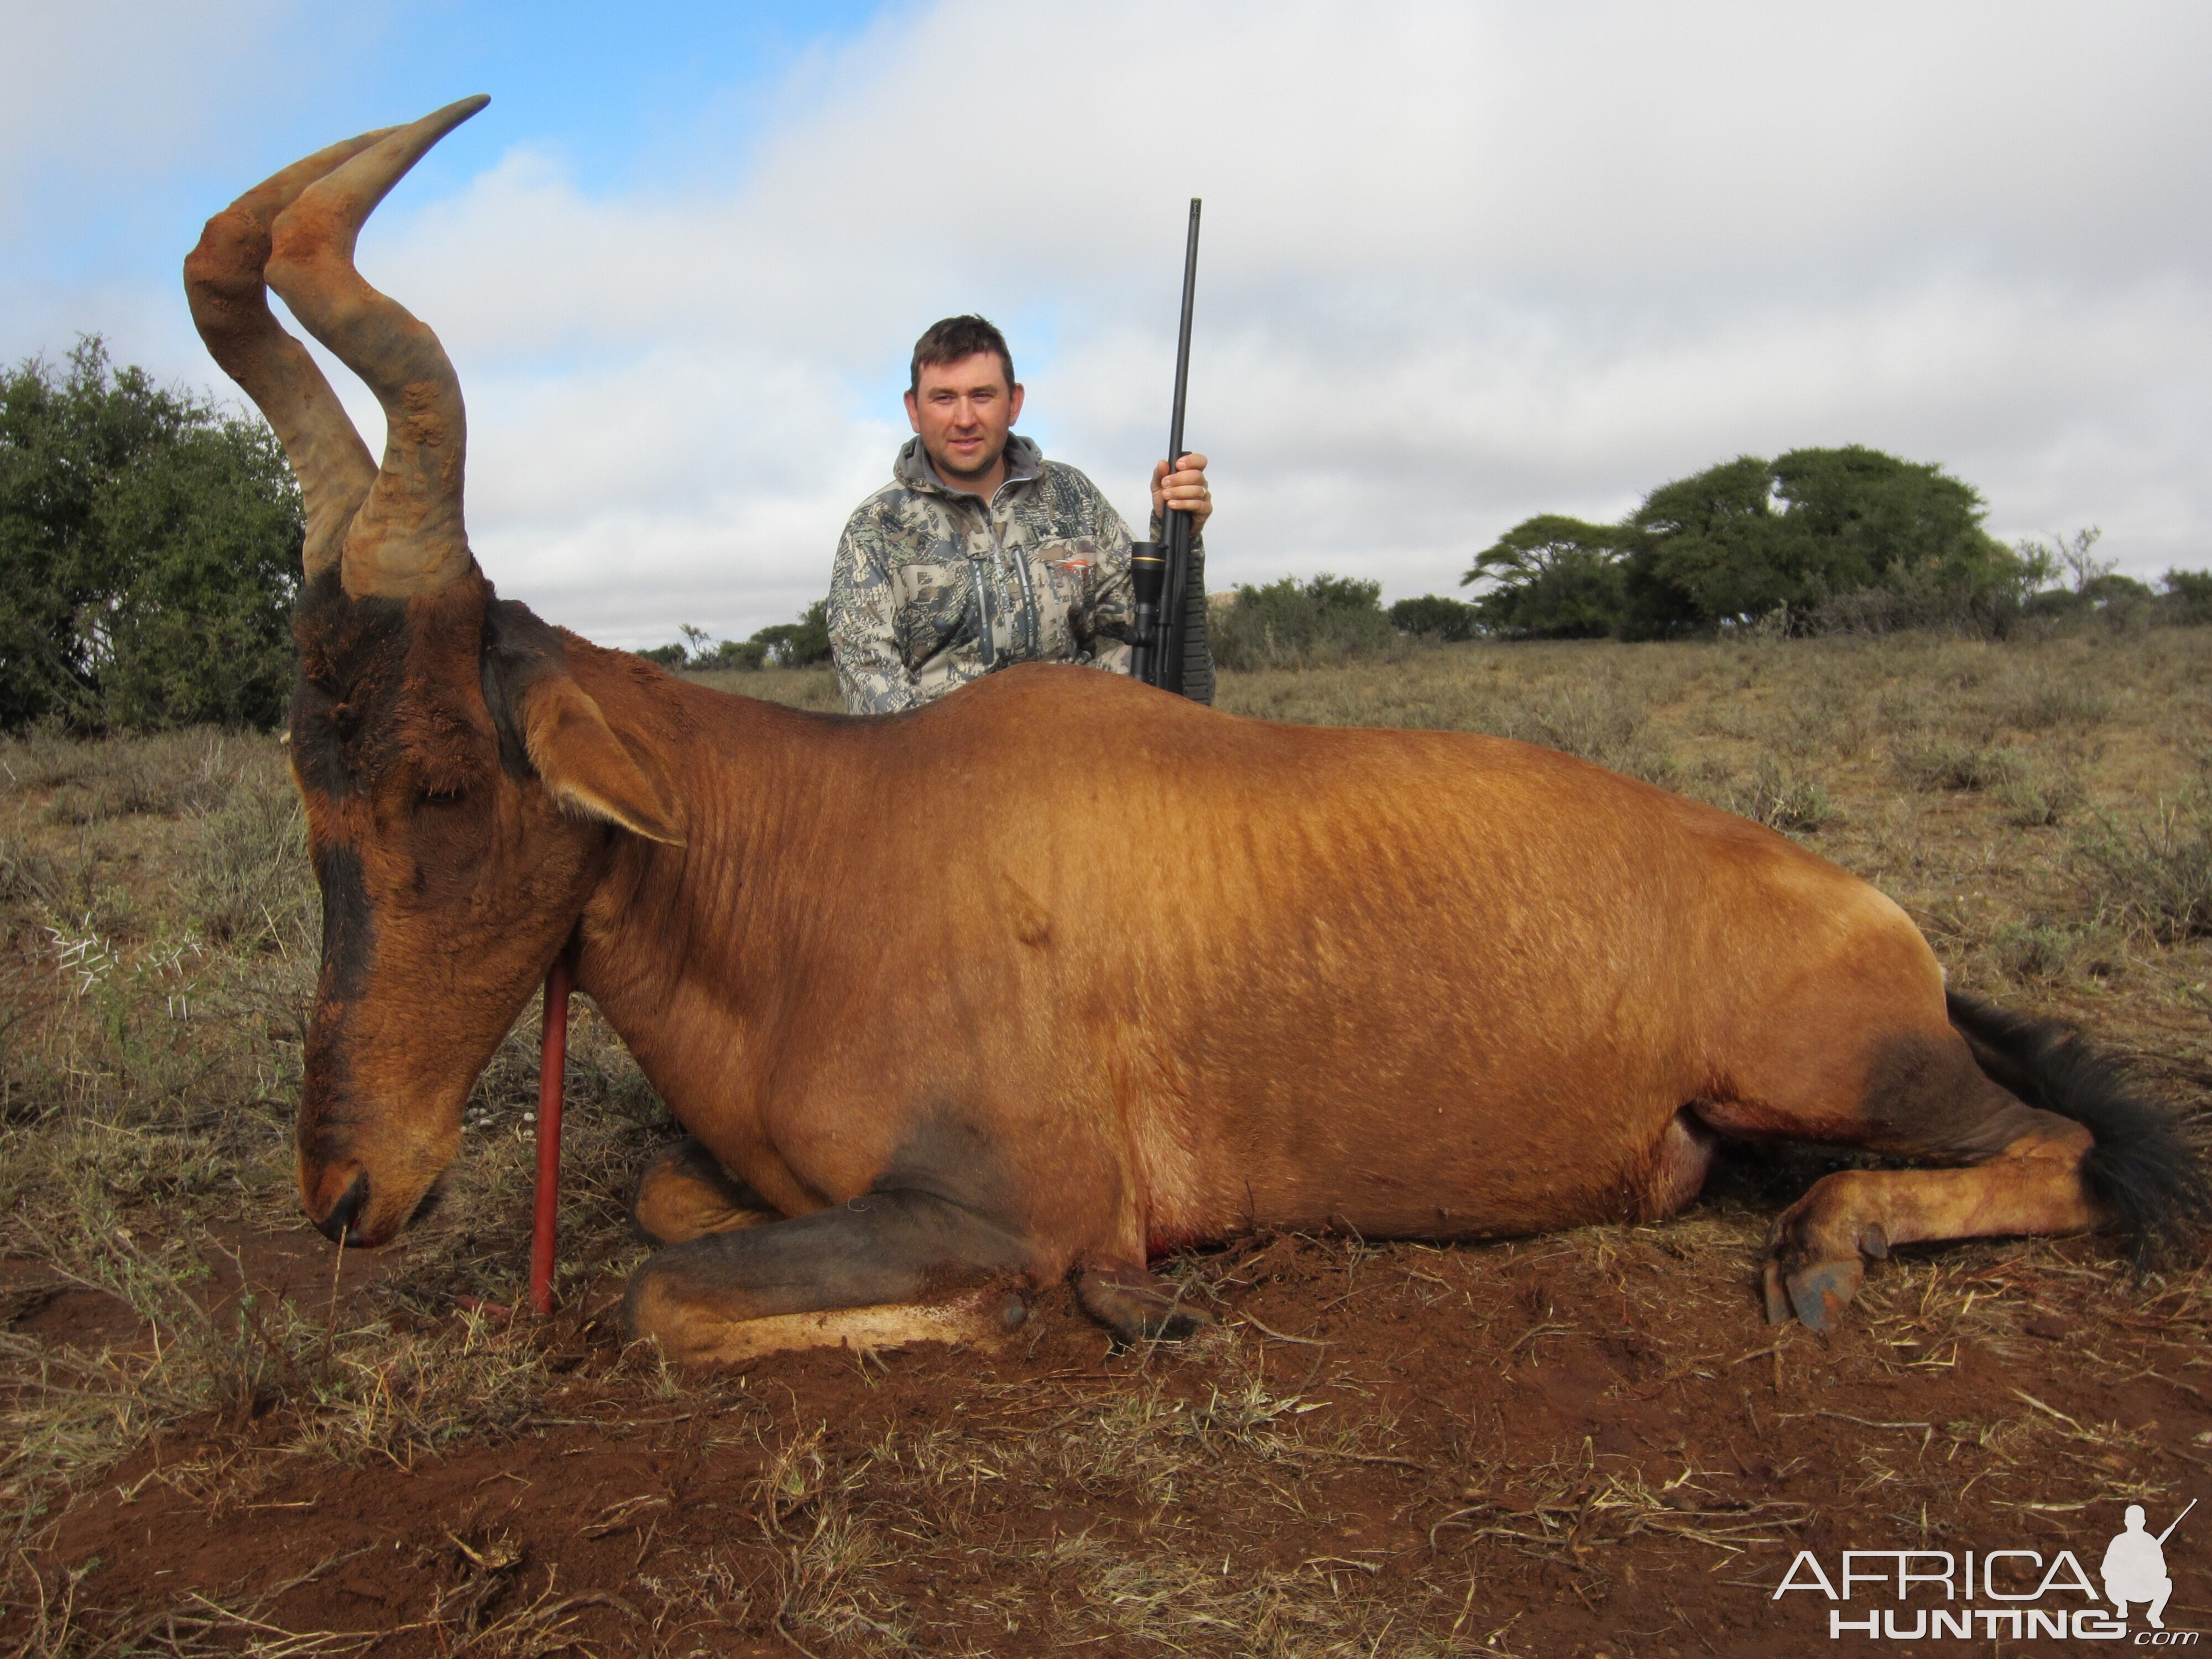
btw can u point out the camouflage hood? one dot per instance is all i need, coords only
(913, 468)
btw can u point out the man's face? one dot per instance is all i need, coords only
(963, 410)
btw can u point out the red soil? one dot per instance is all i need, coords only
(1582, 1444)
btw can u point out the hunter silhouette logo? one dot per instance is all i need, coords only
(1920, 1595)
(2135, 1566)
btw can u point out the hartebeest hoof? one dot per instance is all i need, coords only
(1816, 1296)
(1814, 1267)
(685, 1193)
(1136, 1306)
(1820, 1294)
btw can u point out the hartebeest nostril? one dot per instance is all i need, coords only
(351, 1202)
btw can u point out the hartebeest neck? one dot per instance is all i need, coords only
(687, 949)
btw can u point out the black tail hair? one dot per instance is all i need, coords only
(2142, 1172)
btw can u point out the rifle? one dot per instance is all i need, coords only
(1159, 572)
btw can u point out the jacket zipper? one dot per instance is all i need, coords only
(1024, 645)
(983, 605)
(1029, 641)
(1029, 604)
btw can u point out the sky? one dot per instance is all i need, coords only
(1461, 262)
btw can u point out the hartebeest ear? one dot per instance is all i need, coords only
(585, 765)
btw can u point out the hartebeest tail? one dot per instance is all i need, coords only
(2145, 1178)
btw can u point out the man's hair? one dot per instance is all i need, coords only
(954, 338)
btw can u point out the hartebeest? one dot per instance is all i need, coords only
(929, 1014)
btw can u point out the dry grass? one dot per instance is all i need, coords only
(2040, 808)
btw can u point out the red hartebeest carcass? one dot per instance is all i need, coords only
(917, 989)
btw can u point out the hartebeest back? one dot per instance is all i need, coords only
(929, 1030)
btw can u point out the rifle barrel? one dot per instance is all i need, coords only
(2176, 1522)
(1167, 664)
(1182, 339)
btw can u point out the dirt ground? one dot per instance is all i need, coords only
(1570, 1446)
(229, 1438)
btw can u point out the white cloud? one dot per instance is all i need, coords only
(154, 78)
(1462, 264)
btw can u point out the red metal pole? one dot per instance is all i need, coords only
(552, 1063)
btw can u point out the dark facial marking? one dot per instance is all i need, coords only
(348, 936)
(353, 656)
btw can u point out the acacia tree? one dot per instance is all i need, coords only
(150, 549)
(1553, 577)
(1750, 536)
(1813, 526)
(797, 644)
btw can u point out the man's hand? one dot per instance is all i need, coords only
(1183, 490)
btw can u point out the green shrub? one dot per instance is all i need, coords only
(149, 548)
(2188, 598)
(1936, 596)
(1946, 765)
(1301, 624)
(2036, 951)
(2120, 603)
(749, 656)
(2039, 798)
(785, 645)
(2155, 874)
(800, 644)
(1844, 541)
(1553, 578)
(1433, 617)
(1782, 799)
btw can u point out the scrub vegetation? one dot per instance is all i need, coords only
(149, 548)
(1816, 541)
(222, 1435)
(801, 644)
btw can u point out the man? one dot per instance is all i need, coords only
(979, 553)
(2135, 1568)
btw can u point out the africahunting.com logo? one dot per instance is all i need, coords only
(1917, 1595)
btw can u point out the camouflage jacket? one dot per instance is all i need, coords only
(931, 588)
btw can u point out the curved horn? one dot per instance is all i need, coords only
(407, 537)
(230, 306)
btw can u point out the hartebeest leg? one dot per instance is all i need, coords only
(1136, 1305)
(1921, 1096)
(1816, 1255)
(685, 1194)
(877, 1271)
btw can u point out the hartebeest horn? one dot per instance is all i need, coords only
(407, 537)
(223, 282)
